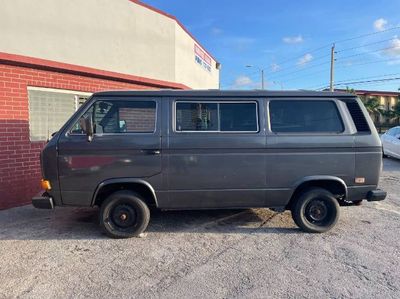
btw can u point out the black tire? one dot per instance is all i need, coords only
(124, 214)
(316, 211)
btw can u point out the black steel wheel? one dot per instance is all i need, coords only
(124, 214)
(316, 211)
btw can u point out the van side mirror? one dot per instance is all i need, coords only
(86, 124)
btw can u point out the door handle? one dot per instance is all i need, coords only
(151, 152)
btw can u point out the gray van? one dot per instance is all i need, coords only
(128, 151)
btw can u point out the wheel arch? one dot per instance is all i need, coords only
(140, 186)
(334, 184)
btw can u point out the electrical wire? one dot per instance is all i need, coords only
(366, 63)
(364, 45)
(367, 34)
(369, 52)
(353, 79)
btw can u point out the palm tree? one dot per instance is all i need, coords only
(372, 105)
(351, 90)
(395, 113)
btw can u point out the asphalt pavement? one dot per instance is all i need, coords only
(253, 253)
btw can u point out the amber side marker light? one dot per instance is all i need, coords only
(359, 180)
(45, 184)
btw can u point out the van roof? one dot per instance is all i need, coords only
(224, 93)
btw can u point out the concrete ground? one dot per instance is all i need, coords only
(220, 254)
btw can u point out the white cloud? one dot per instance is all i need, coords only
(241, 44)
(245, 82)
(393, 50)
(293, 39)
(216, 31)
(394, 62)
(275, 67)
(242, 81)
(305, 59)
(380, 24)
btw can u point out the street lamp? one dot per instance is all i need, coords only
(262, 74)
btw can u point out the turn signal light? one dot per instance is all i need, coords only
(360, 180)
(45, 184)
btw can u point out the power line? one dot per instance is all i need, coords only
(301, 70)
(302, 55)
(364, 45)
(370, 77)
(306, 75)
(338, 41)
(368, 81)
(367, 34)
(364, 82)
(345, 66)
(370, 62)
(345, 81)
(377, 83)
(369, 52)
(297, 66)
(310, 65)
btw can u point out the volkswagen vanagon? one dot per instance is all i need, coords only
(128, 151)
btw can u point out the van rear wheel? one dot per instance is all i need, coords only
(316, 211)
(124, 214)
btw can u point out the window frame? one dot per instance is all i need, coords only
(218, 102)
(334, 101)
(90, 105)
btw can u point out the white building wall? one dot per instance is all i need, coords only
(112, 35)
(187, 69)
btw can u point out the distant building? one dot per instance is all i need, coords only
(54, 54)
(387, 100)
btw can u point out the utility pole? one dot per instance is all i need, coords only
(262, 79)
(331, 87)
(261, 72)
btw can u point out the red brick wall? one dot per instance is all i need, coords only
(19, 158)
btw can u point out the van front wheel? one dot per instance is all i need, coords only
(316, 211)
(124, 214)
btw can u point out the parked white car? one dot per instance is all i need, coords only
(391, 142)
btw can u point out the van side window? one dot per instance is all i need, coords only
(76, 128)
(196, 116)
(238, 117)
(216, 117)
(304, 116)
(122, 117)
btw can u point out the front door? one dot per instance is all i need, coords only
(126, 144)
(216, 154)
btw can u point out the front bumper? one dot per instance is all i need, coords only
(43, 201)
(376, 195)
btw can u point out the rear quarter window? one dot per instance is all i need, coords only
(305, 116)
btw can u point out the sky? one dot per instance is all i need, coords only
(291, 41)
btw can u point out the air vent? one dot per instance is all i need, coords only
(358, 116)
